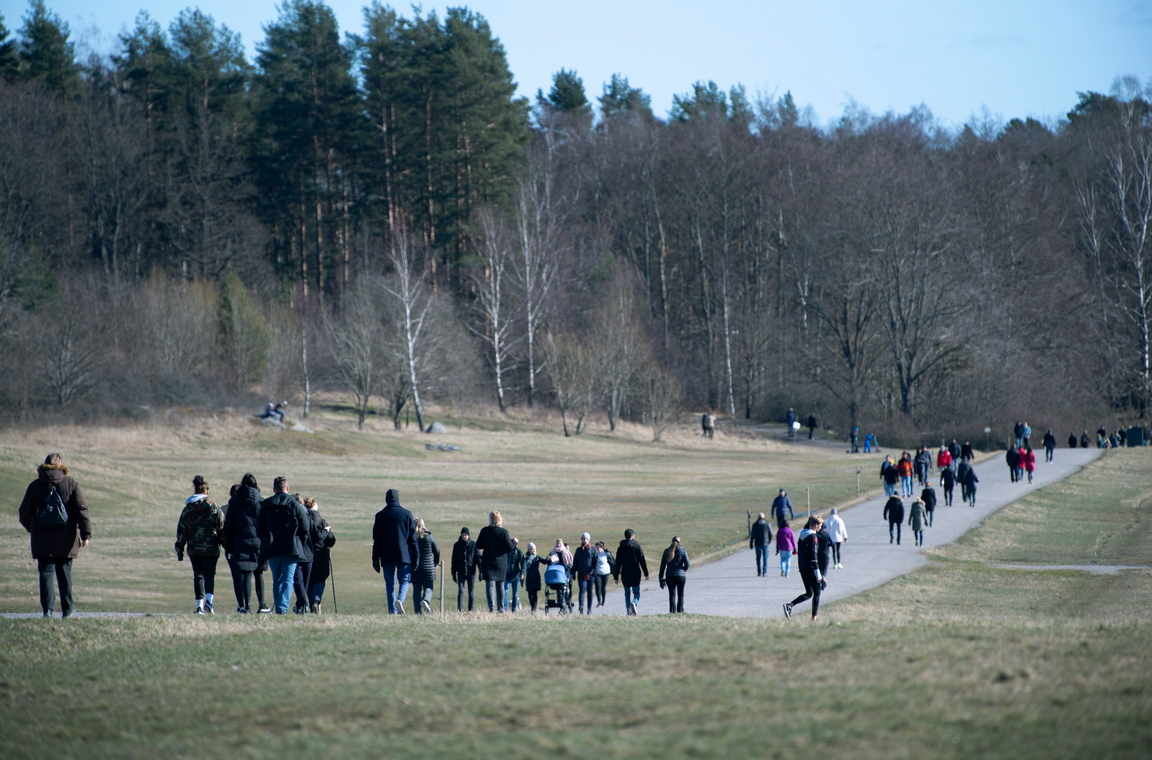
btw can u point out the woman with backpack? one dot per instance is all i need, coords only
(201, 530)
(55, 513)
(673, 574)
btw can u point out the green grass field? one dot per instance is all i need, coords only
(959, 660)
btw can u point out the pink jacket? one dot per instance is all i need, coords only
(785, 541)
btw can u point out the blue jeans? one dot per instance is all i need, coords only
(906, 482)
(785, 562)
(401, 572)
(631, 596)
(762, 560)
(494, 590)
(889, 488)
(587, 591)
(316, 593)
(283, 576)
(512, 594)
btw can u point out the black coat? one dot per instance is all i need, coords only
(394, 537)
(928, 496)
(894, 510)
(630, 562)
(241, 540)
(321, 554)
(284, 528)
(760, 535)
(808, 551)
(463, 560)
(425, 572)
(494, 545)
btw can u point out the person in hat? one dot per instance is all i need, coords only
(394, 549)
(584, 565)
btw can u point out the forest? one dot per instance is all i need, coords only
(375, 213)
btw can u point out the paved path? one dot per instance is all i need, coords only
(729, 586)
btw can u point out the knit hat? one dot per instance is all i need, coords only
(465, 532)
(585, 536)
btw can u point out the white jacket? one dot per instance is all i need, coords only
(836, 530)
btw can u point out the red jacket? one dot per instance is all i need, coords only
(904, 467)
(943, 458)
(1028, 459)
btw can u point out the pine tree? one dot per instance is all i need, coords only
(9, 62)
(621, 99)
(46, 54)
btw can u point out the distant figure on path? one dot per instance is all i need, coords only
(760, 539)
(962, 472)
(708, 425)
(894, 514)
(55, 545)
(1071, 440)
(673, 574)
(928, 496)
(948, 483)
(779, 505)
(1049, 442)
(808, 563)
(1028, 461)
(969, 484)
(811, 425)
(790, 420)
(1012, 457)
(630, 563)
(785, 548)
(917, 519)
(838, 532)
(464, 569)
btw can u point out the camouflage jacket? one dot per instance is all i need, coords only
(201, 527)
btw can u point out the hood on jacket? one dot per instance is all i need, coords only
(195, 498)
(52, 474)
(392, 498)
(805, 533)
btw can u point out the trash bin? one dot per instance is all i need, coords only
(1135, 437)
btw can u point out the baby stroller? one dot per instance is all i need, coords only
(557, 592)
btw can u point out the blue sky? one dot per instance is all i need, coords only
(1014, 58)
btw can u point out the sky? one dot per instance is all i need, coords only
(966, 60)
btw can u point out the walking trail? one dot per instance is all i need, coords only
(729, 587)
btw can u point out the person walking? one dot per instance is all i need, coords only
(531, 576)
(944, 459)
(779, 505)
(494, 545)
(948, 483)
(283, 526)
(242, 544)
(928, 496)
(464, 569)
(55, 514)
(823, 553)
(1012, 457)
(790, 421)
(321, 556)
(894, 514)
(424, 575)
(1049, 442)
(302, 578)
(512, 579)
(604, 563)
(630, 563)
(962, 472)
(760, 540)
(838, 534)
(811, 426)
(808, 563)
(923, 465)
(1028, 462)
(917, 519)
(200, 530)
(673, 574)
(904, 467)
(967, 452)
(583, 566)
(890, 475)
(394, 549)
(785, 548)
(969, 485)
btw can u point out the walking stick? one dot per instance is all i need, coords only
(332, 575)
(441, 587)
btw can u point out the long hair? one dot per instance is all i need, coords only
(670, 552)
(495, 519)
(421, 529)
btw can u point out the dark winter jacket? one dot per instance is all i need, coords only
(823, 548)
(321, 552)
(894, 510)
(630, 563)
(779, 505)
(394, 534)
(760, 535)
(515, 565)
(532, 572)
(494, 545)
(807, 551)
(966, 451)
(1012, 456)
(677, 567)
(200, 528)
(928, 496)
(240, 537)
(65, 540)
(463, 560)
(969, 479)
(962, 471)
(284, 528)
(425, 572)
(584, 561)
(947, 478)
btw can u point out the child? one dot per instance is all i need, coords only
(785, 547)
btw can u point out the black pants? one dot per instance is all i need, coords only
(675, 585)
(61, 567)
(302, 582)
(242, 582)
(203, 575)
(836, 553)
(533, 595)
(893, 530)
(948, 495)
(470, 583)
(811, 590)
(601, 585)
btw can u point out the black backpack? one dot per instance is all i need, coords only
(51, 513)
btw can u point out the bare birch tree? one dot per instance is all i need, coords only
(409, 288)
(492, 246)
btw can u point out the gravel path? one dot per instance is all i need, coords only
(729, 586)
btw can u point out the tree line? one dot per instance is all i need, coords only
(380, 214)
